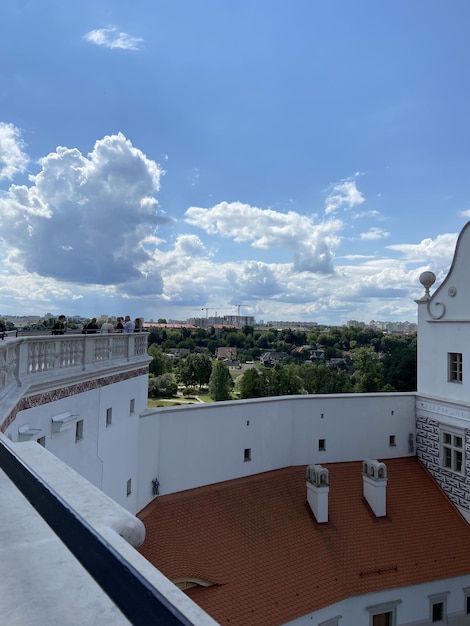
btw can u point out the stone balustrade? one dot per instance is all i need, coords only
(25, 361)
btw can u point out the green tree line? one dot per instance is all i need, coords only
(365, 361)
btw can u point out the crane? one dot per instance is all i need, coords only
(238, 312)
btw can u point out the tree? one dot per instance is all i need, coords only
(220, 382)
(195, 369)
(162, 386)
(284, 380)
(161, 363)
(252, 384)
(368, 375)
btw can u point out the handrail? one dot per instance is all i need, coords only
(134, 596)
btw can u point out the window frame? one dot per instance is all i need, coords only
(435, 599)
(455, 367)
(450, 450)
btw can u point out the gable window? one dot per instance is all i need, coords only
(452, 450)
(455, 367)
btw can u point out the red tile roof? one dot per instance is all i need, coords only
(256, 539)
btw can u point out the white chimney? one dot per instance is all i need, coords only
(317, 491)
(374, 476)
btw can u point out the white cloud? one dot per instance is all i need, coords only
(13, 160)
(112, 38)
(312, 243)
(343, 195)
(86, 219)
(374, 234)
(437, 250)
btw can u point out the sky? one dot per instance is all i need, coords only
(301, 160)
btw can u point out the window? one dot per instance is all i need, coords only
(438, 608)
(322, 444)
(129, 487)
(247, 454)
(132, 406)
(384, 614)
(109, 417)
(382, 619)
(79, 430)
(467, 605)
(455, 367)
(392, 441)
(452, 450)
(437, 612)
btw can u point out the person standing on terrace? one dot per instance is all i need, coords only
(129, 325)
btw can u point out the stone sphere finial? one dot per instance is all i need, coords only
(427, 279)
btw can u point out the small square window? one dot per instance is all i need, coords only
(322, 444)
(42, 441)
(78, 430)
(129, 487)
(132, 406)
(455, 367)
(392, 440)
(109, 417)
(247, 454)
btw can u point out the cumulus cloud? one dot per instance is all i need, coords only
(86, 218)
(343, 195)
(13, 160)
(312, 243)
(112, 38)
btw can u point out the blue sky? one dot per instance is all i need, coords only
(305, 158)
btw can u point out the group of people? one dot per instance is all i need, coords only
(122, 325)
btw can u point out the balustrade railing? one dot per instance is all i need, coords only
(24, 359)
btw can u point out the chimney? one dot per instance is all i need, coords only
(317, 491)
(374, 476)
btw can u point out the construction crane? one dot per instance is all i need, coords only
(238, 312)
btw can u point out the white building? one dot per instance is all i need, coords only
(84, 398)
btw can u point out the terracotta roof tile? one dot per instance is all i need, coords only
(256, 539)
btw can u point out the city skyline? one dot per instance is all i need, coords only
(300, 160)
